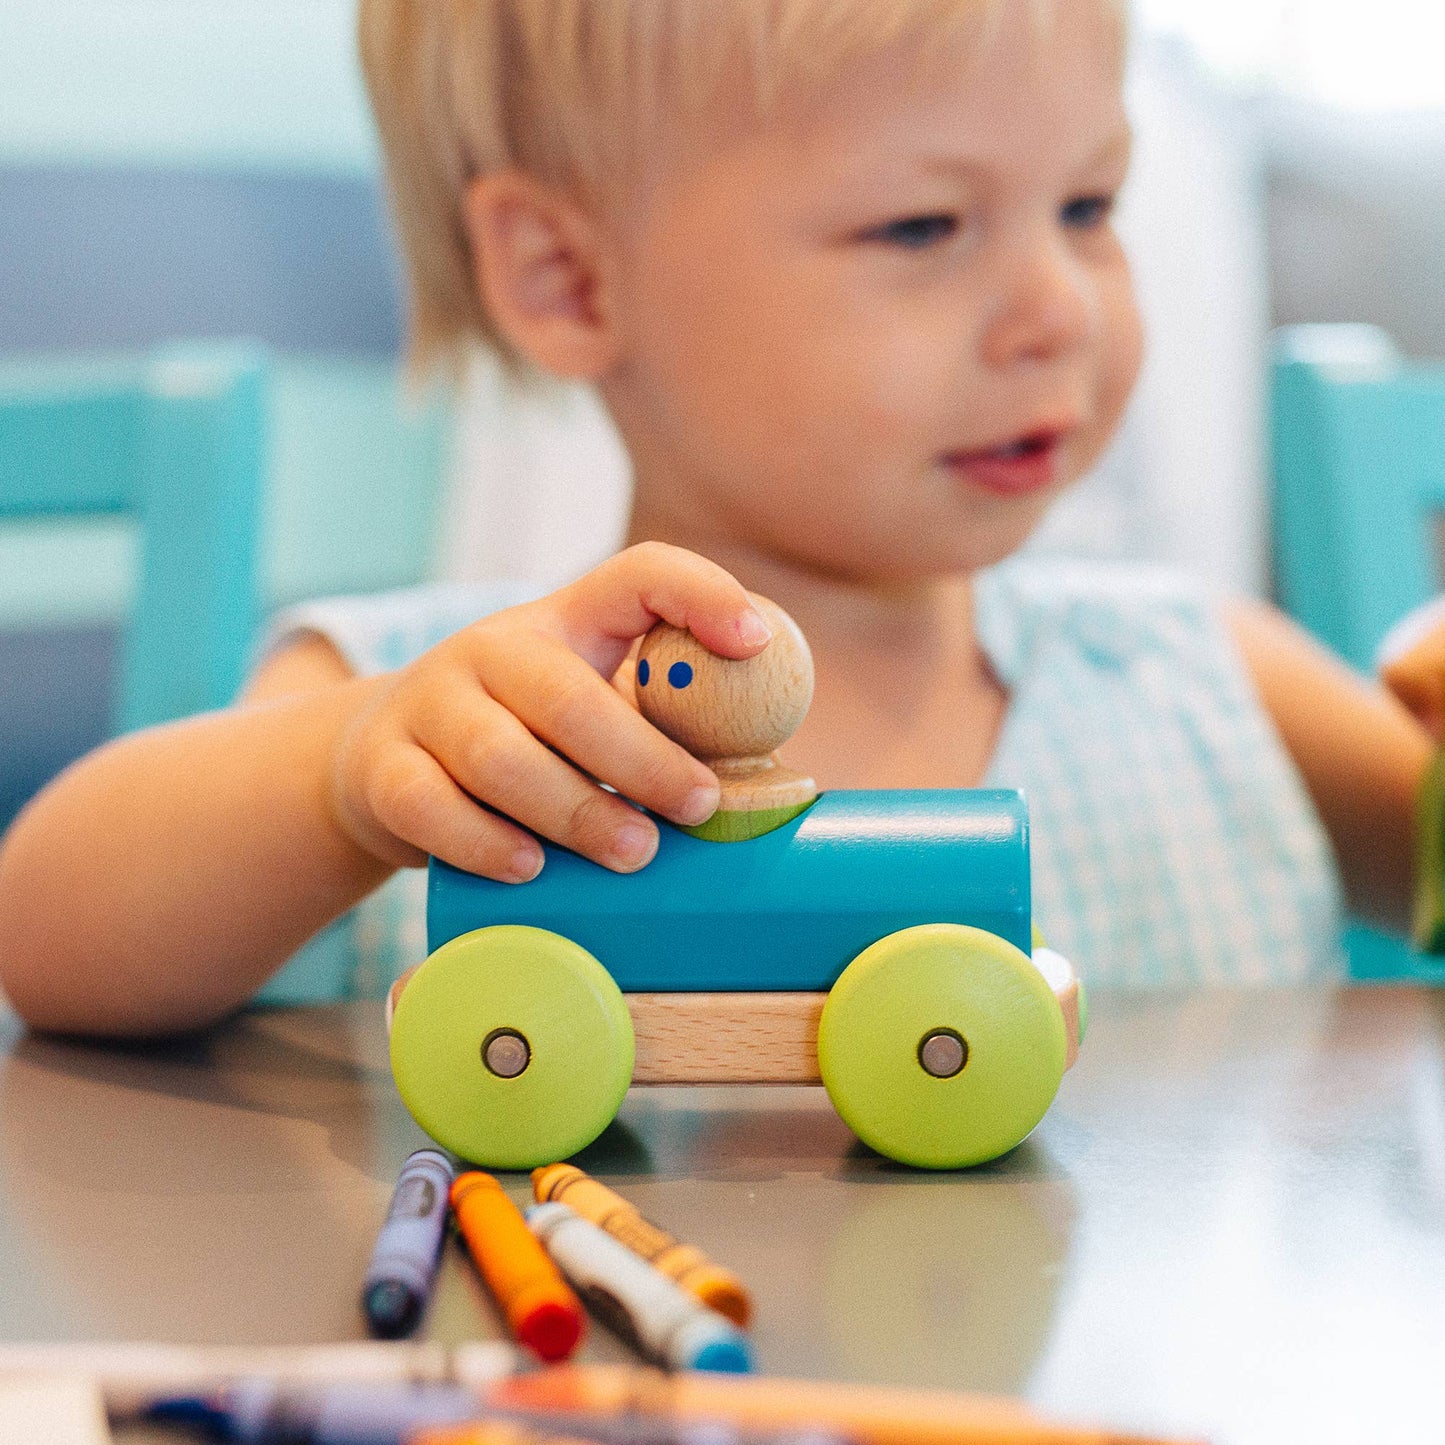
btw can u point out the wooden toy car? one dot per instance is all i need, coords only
(877, 942)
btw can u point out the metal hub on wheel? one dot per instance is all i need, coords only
(507, 1053)
(942, 1053)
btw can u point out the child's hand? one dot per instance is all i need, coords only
(1412, 666)
(517, 712)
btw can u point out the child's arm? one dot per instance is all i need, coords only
(155, 884)
(1361, 754)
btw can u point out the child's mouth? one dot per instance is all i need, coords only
(1015, 469)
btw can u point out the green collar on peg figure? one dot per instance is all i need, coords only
(732, 715)
(729, 825)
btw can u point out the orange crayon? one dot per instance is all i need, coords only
(756, 1405)
(540, 1308)
(716, 1287)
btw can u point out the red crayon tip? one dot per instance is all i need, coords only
(551, 1331)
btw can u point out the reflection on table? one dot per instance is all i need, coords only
(1232, 1222)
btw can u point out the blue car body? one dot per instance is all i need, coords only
(786, 911)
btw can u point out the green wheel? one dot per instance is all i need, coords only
(512, 1047)
(941, 1046)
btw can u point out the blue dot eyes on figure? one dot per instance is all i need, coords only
(680, 674)
(643, 673)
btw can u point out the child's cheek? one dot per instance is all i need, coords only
(909, 388)
(1122, 353)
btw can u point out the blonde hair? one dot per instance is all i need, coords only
(570, 91)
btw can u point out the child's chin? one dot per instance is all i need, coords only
(978, 549)
(934, 550)
(934, 564)
(1004, 541)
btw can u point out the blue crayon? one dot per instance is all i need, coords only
(640, 1303)
(261, 1412)
(404, 1263)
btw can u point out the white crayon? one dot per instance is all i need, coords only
(641, 1303)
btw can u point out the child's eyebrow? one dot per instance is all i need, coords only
(1117, 147)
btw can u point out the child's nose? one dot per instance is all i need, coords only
(1046, 307)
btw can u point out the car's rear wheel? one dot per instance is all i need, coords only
(941, 1046)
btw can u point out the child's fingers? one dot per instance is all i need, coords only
(604, 611)
(1411, 662)
(492, 756)
(560, 699)
(1420, 686)
(413, 798)
(624, 681)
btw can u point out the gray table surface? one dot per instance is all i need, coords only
(1232, 1221)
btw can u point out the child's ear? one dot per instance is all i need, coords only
(539, 267)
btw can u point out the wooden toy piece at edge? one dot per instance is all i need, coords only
(757, 1038)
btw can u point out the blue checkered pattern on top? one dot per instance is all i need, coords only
(1173, 841)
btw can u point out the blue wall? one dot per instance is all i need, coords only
(171, 168)
(123, 256)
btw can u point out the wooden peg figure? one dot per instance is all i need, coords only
(734, 715)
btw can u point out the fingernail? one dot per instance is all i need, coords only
(526, 864)
(752, 629)
(698, 806)
(633, 844)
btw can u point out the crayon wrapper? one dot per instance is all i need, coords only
(643, 1237)
(682, 1263)
(622, 1221)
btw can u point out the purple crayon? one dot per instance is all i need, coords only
(404, 1264)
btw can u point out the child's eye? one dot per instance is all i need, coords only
(1085, 212)
(916, 233)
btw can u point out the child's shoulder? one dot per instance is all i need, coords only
(380, 631)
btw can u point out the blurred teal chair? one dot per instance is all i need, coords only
(1359, 497)
(1359, 448)
(253, 480)
(178, 442)
(256, 479)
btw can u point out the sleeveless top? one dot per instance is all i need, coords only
(1173, 842)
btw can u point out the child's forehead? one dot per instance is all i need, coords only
(817, 65)
(1021, 92)
(816, 45)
